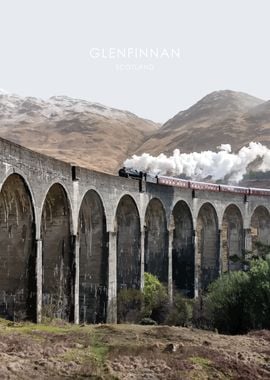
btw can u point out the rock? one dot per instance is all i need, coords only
(171, 347)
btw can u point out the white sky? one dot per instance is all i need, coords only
(225, 44)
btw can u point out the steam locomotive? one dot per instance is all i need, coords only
(193, 185)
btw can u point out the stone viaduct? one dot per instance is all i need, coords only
(71, 238)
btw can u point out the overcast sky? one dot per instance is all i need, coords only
(224, 44)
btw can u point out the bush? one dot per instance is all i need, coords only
(129, 305)
(258, 295)
(156, 300)
(180, 313)
(152, 306)
(153, 291)
(240, 301)
(148, 321)
(200, 315)
(226, 302)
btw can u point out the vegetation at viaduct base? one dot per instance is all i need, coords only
(153, 306)
(235, 303)
(239, 301)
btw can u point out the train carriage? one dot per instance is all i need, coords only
(234, 189)
(259, 192)
(171, 181)
(193, 185)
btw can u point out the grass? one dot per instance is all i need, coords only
(28, 328)
(203, 362)
(99, 353)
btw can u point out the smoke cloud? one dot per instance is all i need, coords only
(220, 165)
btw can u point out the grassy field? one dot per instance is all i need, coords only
(64, 351)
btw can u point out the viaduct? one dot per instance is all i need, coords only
(71, 238)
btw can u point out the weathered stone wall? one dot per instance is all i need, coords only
(260, 226)
(128, 244)
(156, 241)
(183, 249)
(93, 260)
(17, 254)
(232, 236)
(207, 245)
(57, 257)
(80, 231)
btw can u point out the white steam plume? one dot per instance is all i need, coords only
(217, 165)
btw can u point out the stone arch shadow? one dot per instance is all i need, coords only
(17, 249)
(128, 243)
(232, 239)
(93, 259)
(58, 267)
(156, 240)
(207, 254)
(260, 227)
(183, 259)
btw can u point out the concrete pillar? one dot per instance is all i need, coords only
(247, 239)
(112, 280)
(247, 246)
(197, 263)
(170, 265)
(39, 280)
(220, 251)
(142, 259)
(76, 245)
(76, 255)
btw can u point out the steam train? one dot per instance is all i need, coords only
(193, 185)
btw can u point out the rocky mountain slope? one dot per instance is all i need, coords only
(77, 131)
(222, 117)
(101, 138)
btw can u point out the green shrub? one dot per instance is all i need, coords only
(258, 294)
(129, 305)
(152, 304)
(201, 317)
(240, 301)
(180, 313)
(148, 321)
(226, 302)
(156, 300)
(153, 289)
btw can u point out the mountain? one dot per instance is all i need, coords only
(99, 137)
(257, 122)
(77, 131)
(221, 117)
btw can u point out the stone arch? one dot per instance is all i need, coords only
(232, 239)
(207, 245)
(128, 244)
(57, 258)
(68, 198)
(106, 205)
(93, 259)
(183, 249)
(17, 250)
(260, 226)
(22, 175)
(156, 240)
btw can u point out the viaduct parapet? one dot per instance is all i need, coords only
(71, 238)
